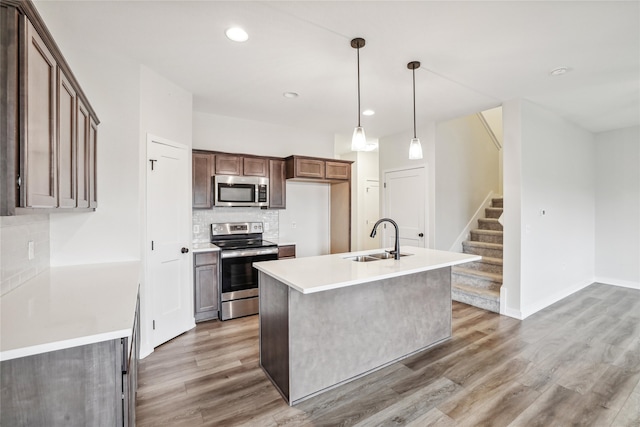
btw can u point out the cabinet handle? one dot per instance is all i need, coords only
(184, 250)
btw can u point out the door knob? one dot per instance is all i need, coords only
(184, 250)
(421, 235)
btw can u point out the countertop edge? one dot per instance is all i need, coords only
(347, 283)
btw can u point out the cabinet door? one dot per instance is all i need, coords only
(39, 144)
(202, 175)
(82, 155)
(93, 164)
(277, 184)
(206, 292)
(66, 142)
(309, 168)
(337, 170)
(228, 165)
(255, 166)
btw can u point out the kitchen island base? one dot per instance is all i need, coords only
(310, 343)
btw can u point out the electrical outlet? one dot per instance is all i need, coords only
(196, 228)
(293, 225)
(31, 250)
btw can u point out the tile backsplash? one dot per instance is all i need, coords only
(202, 219)
(15, 234)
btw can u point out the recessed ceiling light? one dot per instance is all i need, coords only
(558, 71)
(290, 95)
(368, 113)
(237, 34)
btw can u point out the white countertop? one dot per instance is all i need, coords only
(326, 272)
(204, 247)
(66, 307)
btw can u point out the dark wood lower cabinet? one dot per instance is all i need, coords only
(206, 296)
(88, 385)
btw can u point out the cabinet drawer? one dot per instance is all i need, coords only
(206, 258)
(288, 251)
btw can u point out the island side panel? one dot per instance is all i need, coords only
(274, 331)
(343, 333)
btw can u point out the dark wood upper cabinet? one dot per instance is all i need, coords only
(202, 173)
(67, 148)
(93, 164)
(318, 169)
(228, 165)
(277, 184)
(39, 172)
(83, 151)
(337, 170)
(255, 166)
(48, 157)
(304, 167)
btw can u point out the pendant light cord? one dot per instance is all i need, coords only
(414, 103)
(358, 55)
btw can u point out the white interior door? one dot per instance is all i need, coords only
(404, 202)
(168, 232)
(371, 214)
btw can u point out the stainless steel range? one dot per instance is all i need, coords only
(240, 246)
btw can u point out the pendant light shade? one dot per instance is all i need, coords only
(358, 141)
(415, 148)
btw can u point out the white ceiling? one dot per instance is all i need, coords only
(474, 56)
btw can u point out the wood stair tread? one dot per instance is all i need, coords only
(488, 232)
(491, 260)
(477, 273)
(483, 244)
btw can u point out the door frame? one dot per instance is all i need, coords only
(429, 186)
(146, 293)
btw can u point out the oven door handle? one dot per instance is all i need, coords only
(247, 252)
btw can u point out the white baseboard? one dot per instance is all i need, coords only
(618, 282)
(508, 311)
(472, 224)
(537, 306)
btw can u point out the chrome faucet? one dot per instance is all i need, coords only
(396, 249)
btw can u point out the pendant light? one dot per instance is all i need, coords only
(415, 149)
(358, 141)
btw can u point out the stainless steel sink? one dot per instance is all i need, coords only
(386, 255)
(373, 257)
(363, 258)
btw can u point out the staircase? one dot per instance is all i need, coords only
(478, 283)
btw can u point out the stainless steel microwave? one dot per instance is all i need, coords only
(230, 190)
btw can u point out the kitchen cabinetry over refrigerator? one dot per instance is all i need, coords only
(45, 115)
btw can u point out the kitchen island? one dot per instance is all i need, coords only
(329, 319)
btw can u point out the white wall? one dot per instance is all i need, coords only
(305, 222)
(557, 175)
(233, 135)
(165, 112)
(617, 229)
(394, 155)
(364, 167)
(467, 171)
(112, 84)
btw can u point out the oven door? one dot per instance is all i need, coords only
(239, 278)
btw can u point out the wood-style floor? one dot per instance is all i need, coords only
(576, 363)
